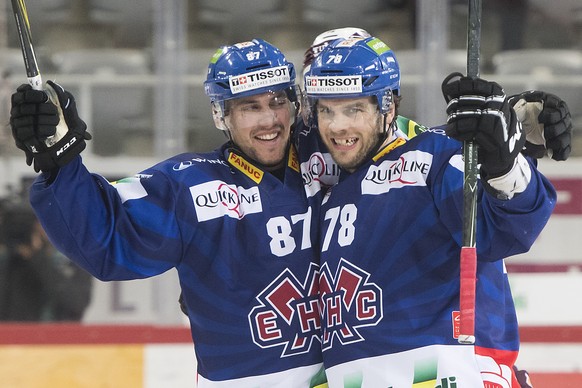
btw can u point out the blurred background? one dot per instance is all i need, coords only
(137, 69)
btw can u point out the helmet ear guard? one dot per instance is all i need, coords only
(385, 101)
(295, 96)
(218, 116)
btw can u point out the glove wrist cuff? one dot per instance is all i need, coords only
(514, 182)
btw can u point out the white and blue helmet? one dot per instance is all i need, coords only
(352, 68)
(246, 69)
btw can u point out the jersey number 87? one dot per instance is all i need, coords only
(280, 228)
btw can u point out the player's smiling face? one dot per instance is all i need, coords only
(350, 128)
(261, 125)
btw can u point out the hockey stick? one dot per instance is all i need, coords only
(468, 263)
(32, 71)
(23, 25)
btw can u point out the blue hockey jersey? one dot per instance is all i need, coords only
(318, 168)
(240, 240)
(390, 245)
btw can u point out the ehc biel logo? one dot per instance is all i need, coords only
(287, 314)
(349, 301)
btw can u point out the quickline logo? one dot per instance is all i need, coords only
(447, 382)
(425, 376)
(354, 380)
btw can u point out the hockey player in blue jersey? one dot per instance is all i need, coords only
(235, 222)
(545, 118)
(391, 227)
(33, 121)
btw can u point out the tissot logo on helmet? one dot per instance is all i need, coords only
(259, 79)
(343, 59)
(333, 85)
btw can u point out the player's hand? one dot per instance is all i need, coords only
(50, 133)
(182, 303)
(547, 123)
(479, 111)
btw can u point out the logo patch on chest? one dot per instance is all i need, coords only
(287, 314)
(410, 169)
(349, 301)
(216, 199)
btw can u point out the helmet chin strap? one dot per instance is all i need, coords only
(388, 130)
(226, 130)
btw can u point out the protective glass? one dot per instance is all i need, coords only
(346, 112)
(261, 109)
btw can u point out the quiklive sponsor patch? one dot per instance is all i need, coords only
(410, 169)
(259, 79)
(216, 199)
(341, 84)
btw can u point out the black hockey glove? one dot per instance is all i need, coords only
(182, 303)
(522, 377)
(547, 124)
(479, 111)
(50, 135)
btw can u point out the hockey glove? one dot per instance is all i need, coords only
(48, 130)
(479, 111)
(182, 303)
(547, 124)
(522, 377)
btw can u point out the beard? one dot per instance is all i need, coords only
(350, 161)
